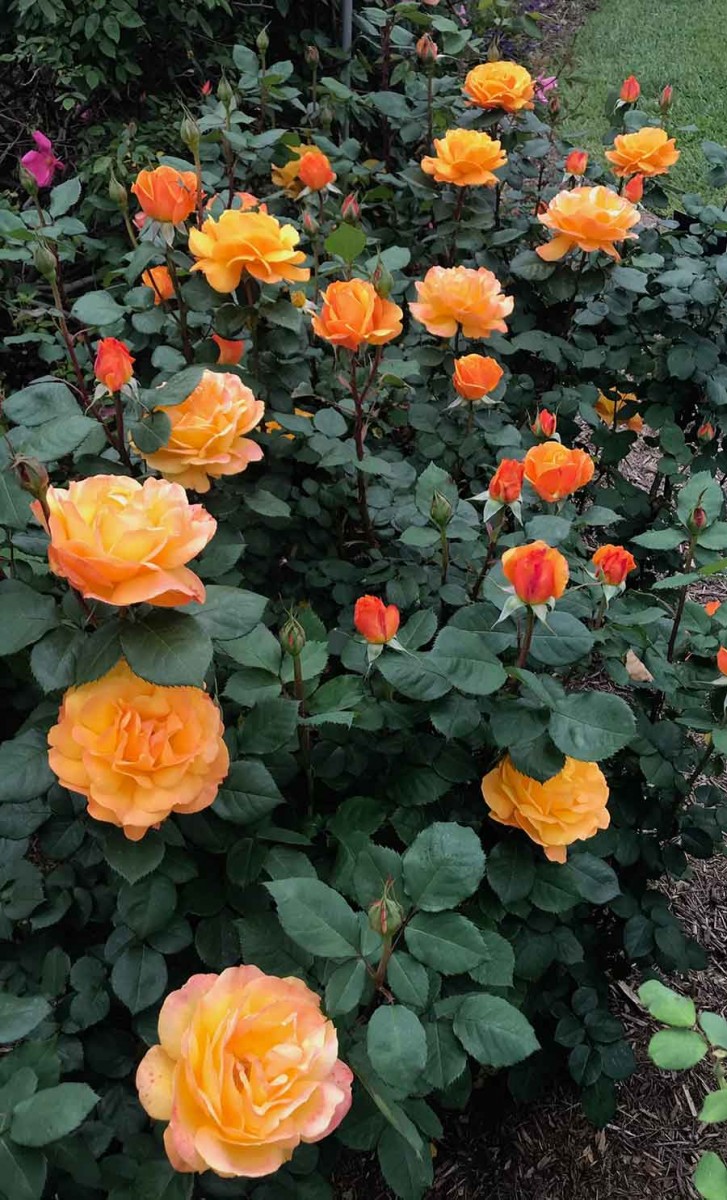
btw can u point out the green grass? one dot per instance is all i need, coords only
(681, 42)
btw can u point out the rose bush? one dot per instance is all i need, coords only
(405, 550)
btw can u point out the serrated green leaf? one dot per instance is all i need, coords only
(396, 1045)
(493, 1031)
(51, 1114)
(316, 917)
(443, 866)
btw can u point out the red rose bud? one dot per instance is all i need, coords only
(427, 48)
(114, 365)
(377, 622)
(206, 87)
(706, 432)
(544, 424)
(310, 224)
(350, 208)
(665, 98)
(634, 189)
(576, 162)
(630, 90)
(698, 519)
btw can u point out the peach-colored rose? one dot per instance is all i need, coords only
(166, 194)
(138, 751)
(247, 1068)
(465, 158)
(471, 297)
(589, 218)
(160, 281)
(309, 167)
(647, 152)
(570, 807)
(208, 428)
(500, 84)
(554, 471)
(240, 241)
(123, 542)
(353, 312)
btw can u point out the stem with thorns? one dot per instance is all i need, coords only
(182, 310)
(527, 638)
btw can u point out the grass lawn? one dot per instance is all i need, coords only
(681, 42)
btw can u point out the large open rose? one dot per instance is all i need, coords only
(554, 471)
(500, 84)
(124, 542)
(353, 312)
(587, 218)
(247, 1069)
(138, 751)
(648, 152)
(472, 297)
(241, 241)
(466, 158)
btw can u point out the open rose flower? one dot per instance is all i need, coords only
(475, 376)
(501, 84)
(647, 152)
(612, 412)
(376, 621)
(166, 194)
(555, 472)
(587, 218)
(450, 297)
(124, 542)
(612, 564)
(246, 1069)
(352, 312)
(160, 281)
(252, 242)
(138, 751)
(570, 807)
(537, 572)
(42, 163)
(114, 365)
(465, 158)
(207, 438)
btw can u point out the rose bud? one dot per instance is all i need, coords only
(665, 98)
(544, 424)
(698, 519)
(612, 564)
(312, 55)
(427, 48)
(114, 365)
(711, 607)
(377, 622)
(292, 637)
(630, 90)
(507, 482)
(537, 572)
(706, 432)
(118, 193)
(440, 511)
(206, 87)
(32, 476)
(634, 189)
(350, 208)
(262, 41)
(576, 162)
(310, 224)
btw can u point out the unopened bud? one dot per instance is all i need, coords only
(493, 52)
(630, 90)
(45, 261)
(262, 41)
(118, 193)
(441, 510)
(224, 91)
(351, 209)
(554, 106)
(326, 115)
(698, 518)
(206, 87)
(383, 281)
(665, 98)
(28, 181)
(427, 48)
(386, 916)
(634, 189)
(292, 637)
(298, 299)
(189, 133)
(576, 162)
(545, 424)
(706, 432)
(32, 476)
(312, 55)
(310, 224)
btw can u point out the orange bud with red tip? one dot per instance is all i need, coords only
(634, 189)
(375, 621)
(576, 162)
(544, 424)
(537, 572)
(630, 90)
(114, 365)
(613, 564)
(507, 482)
(706, 432)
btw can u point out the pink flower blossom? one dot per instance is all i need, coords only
(42, 162)
(543, 85)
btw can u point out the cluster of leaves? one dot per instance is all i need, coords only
(353, 786)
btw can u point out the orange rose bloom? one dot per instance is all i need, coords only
(576, 162)
(315, 171)
(166, 194)
(453, 296)
(124, 542)
(114, 365)
(537, 572)
(613, 564)
(568, 808)
(649, 152)
(554, 471)
(246, 241)
(630, 90)
(722, 659)
(591, 218)
(711, 607)
(353, 312)
(376, 621)
(138, 751)
(500, 85)
(545, 424)
(465, 158)
(506, 484)
(160, 281)
(609, 410)
(246, 1070)
(475, 376)
(231, 350)
(208, 428)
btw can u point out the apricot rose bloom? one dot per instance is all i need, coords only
(138, 751)
(589, 218)
(114, 365)
(648, 152)
(376, 621)
(570, 807)
(501, 84)
(166, 194)
(207, 437)
(241, 241)
(611, 411)
(124, 542)
(537, 572)
(452, 296)
(507, 482)
(555, 472)
(465, 158)
(247, 1068)
(476, 375)
(353, 312)
(613, 564)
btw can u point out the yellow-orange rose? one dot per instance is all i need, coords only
(309, 168)
(247, 1068)
(123, 542)
(647, 152)
(554, 471)
(207, 438)
(476, 375)
(138, 751)
(353, 312)
(465, 158)
(246, 241)
(501, 84)
(611, 411)
(568, 808)
(452, 296)
(591, 218)
(166, 194)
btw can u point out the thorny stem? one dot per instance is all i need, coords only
(303, 730)
(130, 230)
(493, 532)
(445, 553)
(67, 338)
(120, 435)
(430, 107)
(457, 217)
(386, 953)
(360, 429)
(527, 638)
(680, 605)
(183, 326)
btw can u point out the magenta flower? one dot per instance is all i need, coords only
(543, 85)
(42, 162)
